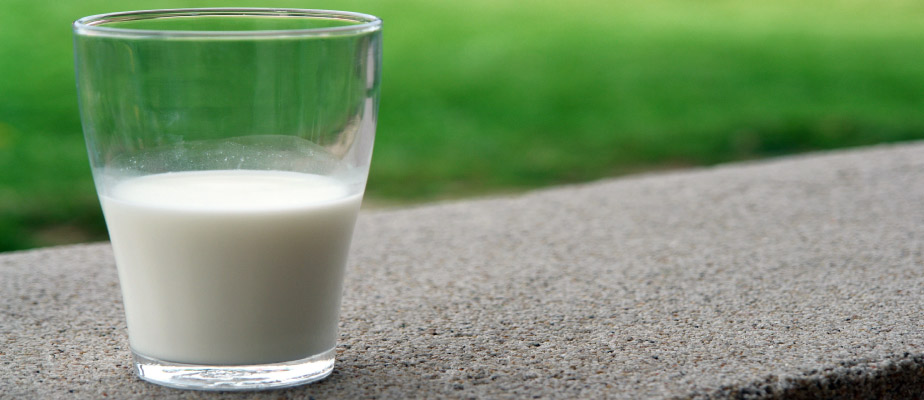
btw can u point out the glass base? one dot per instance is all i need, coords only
(235, 377)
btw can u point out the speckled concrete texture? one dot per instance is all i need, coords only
(794, 278)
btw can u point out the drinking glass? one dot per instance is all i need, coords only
(230, 150)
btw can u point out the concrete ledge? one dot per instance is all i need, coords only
(795, 278)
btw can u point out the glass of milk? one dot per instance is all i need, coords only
(230, 150)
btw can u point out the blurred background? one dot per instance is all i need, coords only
(498, 96)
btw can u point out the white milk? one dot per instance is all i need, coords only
(231, 267)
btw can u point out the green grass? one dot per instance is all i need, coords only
(485, 96)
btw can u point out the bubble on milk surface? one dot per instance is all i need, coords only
(255, 152)
(261, 152)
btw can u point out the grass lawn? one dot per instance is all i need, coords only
(486, 96)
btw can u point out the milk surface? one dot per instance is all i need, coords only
(231, 267)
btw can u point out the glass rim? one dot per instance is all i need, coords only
(95, 25)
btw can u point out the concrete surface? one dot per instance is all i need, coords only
(794, 278)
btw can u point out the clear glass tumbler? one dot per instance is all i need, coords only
(230, 150)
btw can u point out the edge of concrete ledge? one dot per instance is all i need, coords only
(895, 377)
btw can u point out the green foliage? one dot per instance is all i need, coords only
(484, 96)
